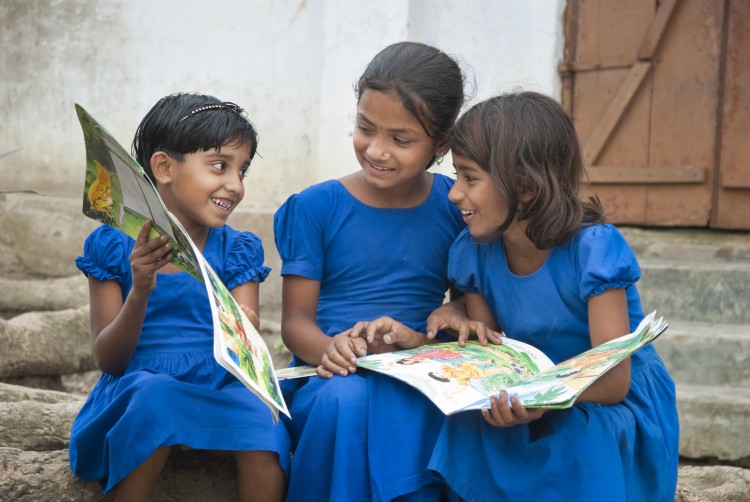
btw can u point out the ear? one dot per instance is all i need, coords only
(442, 147)
(526, 197)
(162, 165)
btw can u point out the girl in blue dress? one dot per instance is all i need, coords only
(540, 264)
(152, 325)
(370, 244)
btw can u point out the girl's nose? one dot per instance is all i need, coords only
(376, 150)
(233, 183)
(454, 194)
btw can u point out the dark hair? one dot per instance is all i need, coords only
(429, 83)
(184, 123)
(528, 144)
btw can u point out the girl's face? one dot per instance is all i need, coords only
(203, 189)
(391, 146)
(482, 207)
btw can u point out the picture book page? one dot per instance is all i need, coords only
(454, 377)
(238, 346)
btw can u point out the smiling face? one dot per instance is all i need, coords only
(391, 145)
(203, 189)
(482, 207)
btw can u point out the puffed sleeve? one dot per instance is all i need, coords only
(106, 255)
(465, 264)
(244, 262)
(299, 236)
(606, 261)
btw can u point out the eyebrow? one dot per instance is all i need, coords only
(398, 131)
(226, 156)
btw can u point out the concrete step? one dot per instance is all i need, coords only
(692, 274)
(709, 291)
(710, 364)
(714, 422)
(706, 354)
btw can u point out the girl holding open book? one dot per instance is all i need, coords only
(152, 326)
(540, 264)
(372, 243)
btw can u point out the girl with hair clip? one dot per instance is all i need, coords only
(373, 243)
(540, 264)
(152, 328)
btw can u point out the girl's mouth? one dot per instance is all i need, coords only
(226, 205)
(379, 168)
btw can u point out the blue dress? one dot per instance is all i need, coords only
(358, 437)
(172, 392)
(628, 451)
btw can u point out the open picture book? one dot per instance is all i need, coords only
(464, 378)
(118, 192)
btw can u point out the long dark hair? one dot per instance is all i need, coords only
(429, 83)
(528, 144)
(184, 123)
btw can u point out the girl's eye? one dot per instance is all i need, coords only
(243, 174)
(401, 141)
(217, 165)
(462, 175)
(363, 128)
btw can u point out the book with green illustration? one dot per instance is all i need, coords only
(118, 192)
(464, 378)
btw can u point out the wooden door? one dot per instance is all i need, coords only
(659, 91)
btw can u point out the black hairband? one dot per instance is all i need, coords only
(226, 105)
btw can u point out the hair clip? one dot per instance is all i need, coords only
(225, 105)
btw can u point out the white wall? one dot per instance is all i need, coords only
(291, 63)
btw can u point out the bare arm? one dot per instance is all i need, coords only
(248, 296)
(608, 319)
(116, 325)
(332, 355)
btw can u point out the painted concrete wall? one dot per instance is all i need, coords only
(290, 63)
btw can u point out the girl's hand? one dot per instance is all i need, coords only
(340, 355)
(387, 331)
(505, 414)
(147, 257)
(452, 319)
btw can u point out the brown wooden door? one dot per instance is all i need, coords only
(659, 91)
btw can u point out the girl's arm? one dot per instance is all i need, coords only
(608, 319)
(333, 355)
(248, 296)
(116, 325)
(465, 315)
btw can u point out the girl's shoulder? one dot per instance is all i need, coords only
(238, 241)
(600, 236)
(239, 256)
(109, 241)
(320, 192)
(314, 203)
(104, 234)
(105, 254)
(603, 259)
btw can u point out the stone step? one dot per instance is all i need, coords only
(706, 354)
(693, 274)
(696, 291)
(714, 422)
